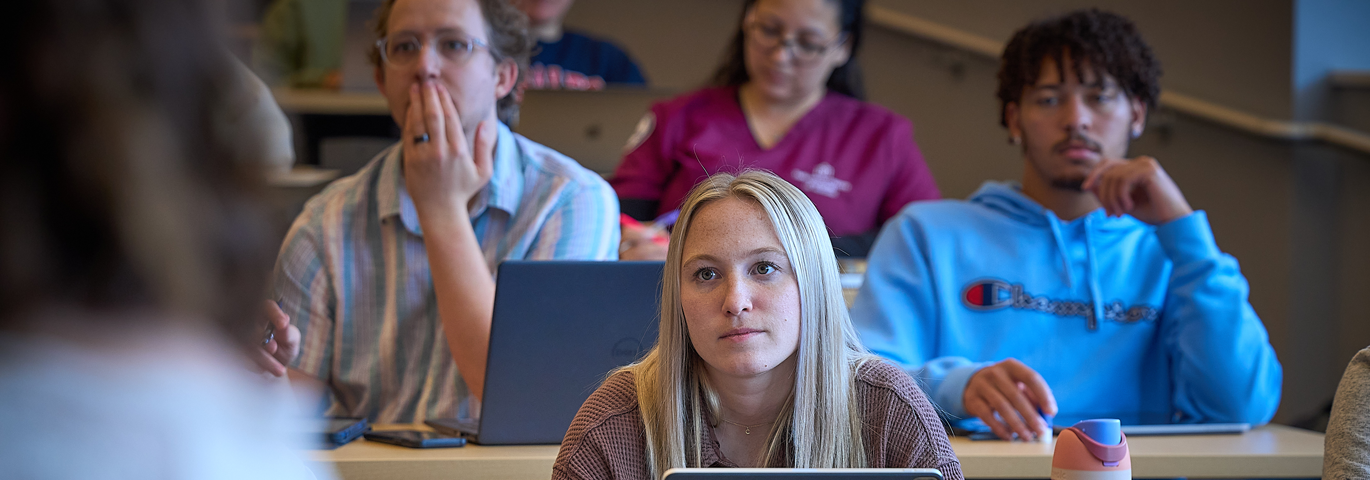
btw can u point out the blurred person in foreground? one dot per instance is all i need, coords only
(1089, 289)
(388, 275)
(788, 97)
(132, 252)
(1347, 446)
(756, 364)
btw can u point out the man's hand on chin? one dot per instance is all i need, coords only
(1137, 187)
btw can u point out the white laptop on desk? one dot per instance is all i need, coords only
(559, 328)
(1153, 423)
(1134, 424)
(590, 127)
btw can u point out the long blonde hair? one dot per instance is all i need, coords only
(672, 389)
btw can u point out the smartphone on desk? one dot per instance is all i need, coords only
(337, 432)
(977, 432)
(414, 438)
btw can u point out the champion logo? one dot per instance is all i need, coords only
(822, 181)
(987, 295)
(993, 294)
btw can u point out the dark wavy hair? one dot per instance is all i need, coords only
(846, 79)
(120, 190)
(1106, 42)
(509, 39)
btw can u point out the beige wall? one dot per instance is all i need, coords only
(1234, 52)
(1296, 217)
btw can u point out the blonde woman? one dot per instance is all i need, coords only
(757, 363)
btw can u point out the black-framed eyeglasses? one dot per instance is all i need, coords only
(403, 50)
(768, 37)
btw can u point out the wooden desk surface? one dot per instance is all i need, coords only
(298, 100)
(362, 459)
(1272, 451)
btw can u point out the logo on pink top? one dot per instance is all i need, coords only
(822, 181)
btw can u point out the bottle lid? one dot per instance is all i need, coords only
(1106, 431)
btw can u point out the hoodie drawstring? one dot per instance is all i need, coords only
(1008, 198)
(1095, 297)
(1060, 247)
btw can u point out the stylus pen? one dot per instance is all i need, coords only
(666, 220)
(659, 224)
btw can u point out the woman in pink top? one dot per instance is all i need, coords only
(788, 99)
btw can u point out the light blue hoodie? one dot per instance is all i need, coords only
(1116, 315)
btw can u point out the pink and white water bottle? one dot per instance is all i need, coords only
(1092, 450)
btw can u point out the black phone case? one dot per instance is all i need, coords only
(383, 437)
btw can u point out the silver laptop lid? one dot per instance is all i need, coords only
(591, 127)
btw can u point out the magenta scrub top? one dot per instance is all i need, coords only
(856, 161)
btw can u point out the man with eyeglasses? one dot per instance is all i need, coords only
(386, 280)
(788, 98)
(1090, 289)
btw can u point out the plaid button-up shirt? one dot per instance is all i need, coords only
(353, 273)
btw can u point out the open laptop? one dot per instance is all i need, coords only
(1133, 424)
(559, 328)
(802, 473)
(590, 127)
(1152, 423)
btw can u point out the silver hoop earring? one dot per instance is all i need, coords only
(1015, 140)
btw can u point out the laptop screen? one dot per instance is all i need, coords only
(559, 329)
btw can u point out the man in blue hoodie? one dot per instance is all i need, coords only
(1091, 288)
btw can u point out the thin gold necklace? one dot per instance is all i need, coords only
(747, 429)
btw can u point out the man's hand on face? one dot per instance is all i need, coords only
(1019, 396)
(1138, 187)
(441, 173)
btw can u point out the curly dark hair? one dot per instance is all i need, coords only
(846, 79)
(509, 39)
(1107, 42)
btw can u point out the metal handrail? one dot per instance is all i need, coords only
(1349, 79)
(1189, 105)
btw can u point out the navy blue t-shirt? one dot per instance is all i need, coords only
(578, 62)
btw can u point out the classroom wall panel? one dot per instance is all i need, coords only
(1233, 52)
